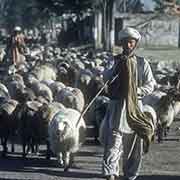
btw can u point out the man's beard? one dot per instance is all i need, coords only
(127, 51)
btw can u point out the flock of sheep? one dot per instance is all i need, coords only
(42, 98)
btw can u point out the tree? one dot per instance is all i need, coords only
(106, 8)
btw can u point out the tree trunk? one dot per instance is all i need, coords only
(98, 30)
(107, 29)
(104, 29)
(109, 26)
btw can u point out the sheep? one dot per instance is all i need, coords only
(56, 87)
(95, 84)
(15, 77)
(4, 91)
(29, 126)
(41, 89)
(14, 87)
(96, 114)
(44, 72)
(84, 79)
(65, 135)
(67, 74)
(166, 106)
(71, 98)
(167, 109)
(7, 124)
(24, 115)
(153, 98)
(2, 54)
(45, 115)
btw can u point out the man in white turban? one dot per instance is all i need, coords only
(126, 127)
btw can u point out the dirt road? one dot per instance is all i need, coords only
(161, 163)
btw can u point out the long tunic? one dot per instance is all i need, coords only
(16, 47)
(116, 112)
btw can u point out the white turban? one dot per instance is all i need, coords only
(17, 28)
(129, 32)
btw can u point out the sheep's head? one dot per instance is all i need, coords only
(165, 111)
(63, 130)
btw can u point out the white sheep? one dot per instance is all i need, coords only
(166, 107)
(44, 72)
(65, 135)
(71, 98)
(4, 91)
(2, 54)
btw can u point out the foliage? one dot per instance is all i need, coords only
(178, 2)
(35, 12)
(63, 6)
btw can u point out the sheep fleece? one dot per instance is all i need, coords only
(74, 135)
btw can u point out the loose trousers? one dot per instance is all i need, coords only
(122, 145)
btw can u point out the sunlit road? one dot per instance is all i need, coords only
(161, 163)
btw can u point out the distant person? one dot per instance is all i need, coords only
(16, 46)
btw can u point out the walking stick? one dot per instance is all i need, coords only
(132, 146)
(91, 102)
(95, 97)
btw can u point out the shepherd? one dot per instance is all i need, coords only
(128, 130)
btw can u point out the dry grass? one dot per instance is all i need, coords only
(160, 54)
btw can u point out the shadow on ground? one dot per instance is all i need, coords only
(40, 165)
(158, 177)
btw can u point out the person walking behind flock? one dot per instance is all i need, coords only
(127, 131)
(16, 46)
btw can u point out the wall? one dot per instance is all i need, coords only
(156, 30)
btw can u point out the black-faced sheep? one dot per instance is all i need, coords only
(28, 125)
(8, 125)
(166, 106)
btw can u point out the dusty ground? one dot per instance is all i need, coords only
(161, 163)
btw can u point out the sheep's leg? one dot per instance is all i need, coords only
(28, 148)
(12, 141)
(159, 133)
(24, 144)
(166, 131)
(66, 160)
(96, 134)
(37, 148)
(32, 146)
(48, 152)
(35, 144)
(72, 161)
(24, 150)
(4, 144)
(12, 145)
(60, 159)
